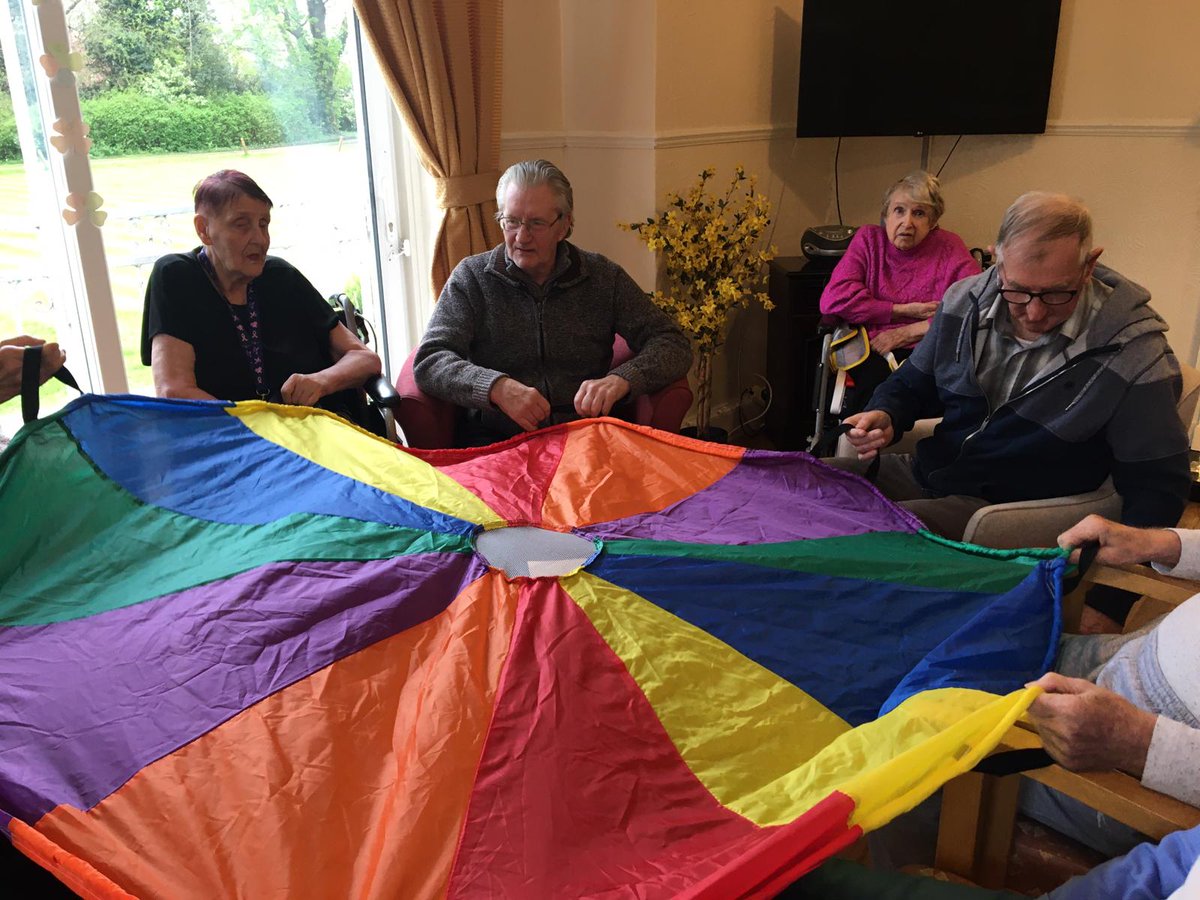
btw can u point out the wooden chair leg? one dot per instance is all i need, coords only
(976, 827)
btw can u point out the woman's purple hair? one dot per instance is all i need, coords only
(220, 189)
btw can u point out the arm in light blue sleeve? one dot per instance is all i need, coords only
(1147, 872)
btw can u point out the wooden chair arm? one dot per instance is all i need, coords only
(1144, 580)
(1141, 580)
(1116, 794)
(1123, 798)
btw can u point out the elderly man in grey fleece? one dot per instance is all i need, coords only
(522, 335)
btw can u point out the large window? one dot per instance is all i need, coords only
(174, 90)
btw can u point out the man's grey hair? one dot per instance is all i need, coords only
(1042, 216)
(922, 187)
(532, 172)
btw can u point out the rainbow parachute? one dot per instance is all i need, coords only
(250, 651)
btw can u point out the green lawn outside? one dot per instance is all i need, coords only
(319, 223)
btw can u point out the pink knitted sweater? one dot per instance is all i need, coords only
(874, 275)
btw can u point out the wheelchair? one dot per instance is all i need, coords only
(380, 401)
(847, 374)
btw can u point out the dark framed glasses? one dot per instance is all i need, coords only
(1056, 297)
(1050, 298)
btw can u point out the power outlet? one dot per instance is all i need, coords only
(759, 394)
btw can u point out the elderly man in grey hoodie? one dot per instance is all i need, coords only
(522, 335)
(1050, 373)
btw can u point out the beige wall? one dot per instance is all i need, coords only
(636, 96)
(594, 116)
(532, 75)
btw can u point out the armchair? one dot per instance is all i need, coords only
(428, 423)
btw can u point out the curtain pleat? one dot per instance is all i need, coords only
(442, 64)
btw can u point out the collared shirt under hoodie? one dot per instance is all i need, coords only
(1005, 364)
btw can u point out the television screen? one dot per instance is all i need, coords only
(878, 67)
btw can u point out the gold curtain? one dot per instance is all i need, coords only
(442, 63)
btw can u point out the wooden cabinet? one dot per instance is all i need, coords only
(794, 347)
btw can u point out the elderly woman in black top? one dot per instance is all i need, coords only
(228, 322)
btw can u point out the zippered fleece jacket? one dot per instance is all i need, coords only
(488, 323)
(1108, 409)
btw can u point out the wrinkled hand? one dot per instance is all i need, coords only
(597, 396)
(12, 360)
(870, 432)
(1086, 728)
(521, 403)
(887, 341)
(1120, 544)
(924, 310)
(303, 390)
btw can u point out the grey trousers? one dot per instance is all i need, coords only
(947, 516)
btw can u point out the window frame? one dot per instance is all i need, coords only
(87, 320)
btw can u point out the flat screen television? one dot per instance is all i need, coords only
(879, 67)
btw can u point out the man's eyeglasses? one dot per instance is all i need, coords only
(1050, 298)
(537, 226)
(1057, 297)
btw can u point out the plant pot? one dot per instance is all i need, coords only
(713, 434)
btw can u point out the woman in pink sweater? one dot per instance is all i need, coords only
(894, 274)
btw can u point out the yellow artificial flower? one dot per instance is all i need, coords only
(712, 260)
